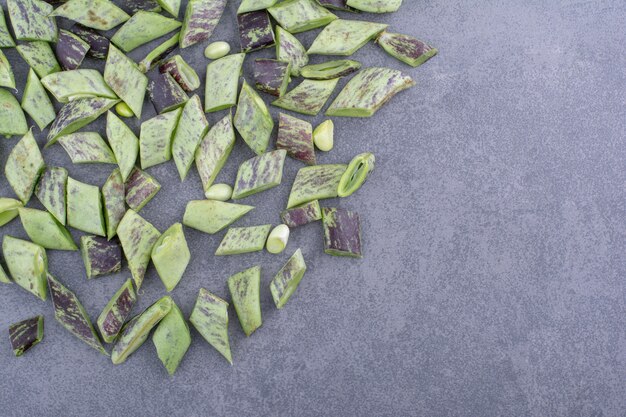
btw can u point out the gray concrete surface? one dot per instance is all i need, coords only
(493, 281)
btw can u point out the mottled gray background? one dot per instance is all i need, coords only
(493, 277)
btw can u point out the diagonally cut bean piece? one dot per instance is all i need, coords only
(308, 97)
(296, 137)
(27, 263)
(289, 49)
(192, 126)
(44, 230)
(214, 150)
(254, 5)
(302, 215)
(39, 56)
(259, 174)
(375, 6)
(124, 143)
(222, 82)
(210, 318)
(6, 40)
(331, 69)
(240, 240)
(166, 94)
(170, 6)
(71, 50)
(36, 103)
(7, 79)
(12, 119)
(136, 331)
(87, 148)
(170, 256)
(315, 183)
(342, 232)
(23, 167)
(288, 279)
(123, 76)
(253, 120)
(406, 48)
(336, 5)
(9, 209)
(172, 339)
(51, 192)
(81, 82)
(133, 6)
(182, 72)
(77, 114)
(355, 176)
(301, 15)
(100, 256)
(210, 216)
(155, 139)
(141, 187)
(368, 91)
(201, 18)
(84, 207)
(272, 76)
(255, 31)
(159, 53)
(141, 28)
(95, 14)
(98, 44)
(113, 196)
(31, 20)
(138, 238)
(345, 37)
(116, 312)
(26, 334)
(245, 288)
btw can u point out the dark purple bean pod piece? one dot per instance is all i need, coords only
(70, 50)
(272, 76)
(302, 215)
(166, 94)
(201, 18)
(296, 137)
(140, 187)
(98, 44)
(116, 312)
(255, 31)
(26, 334)
(182, 72)
(337, 5)
(342, 232)
(101, 256)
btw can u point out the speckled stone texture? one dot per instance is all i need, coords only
(493, 279)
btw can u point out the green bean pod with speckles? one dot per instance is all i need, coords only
(159, 53)
(255, 31)
(240, 240)
(210, 216)
(336, 5)
(170, 256)
(138, 238)
(31, 20)
(70, 50)
(301, 15)
(342, 232)
(357, 173)
(36, 103)
(26, 334)
(222, 82)
(6, 40)
(309, 97)
(27, 263)
(95, 14)
(245, 292)
(40, 57)
(210, 318)
(123, 76)
(345, 37)
(272, 76)
(23, 167)
(116, 312)
(9, 209)
(192, 126)
(51, 192)
(124, 143)
(81, 82)
(296, 137)
(12, 119)
(406, 48)
(133, 6)
(84, 207)
(201, 18)
(302, 215)
(331, 69)
(315, 183)
(254, 5)
(7, 78)
(141, 28)
(100, 256)
(170, 6)
(289, 49)
(140, 187)
(214, 150)
(375, 6)
(253, 120)
(183, 73)
(172, 339)
(44, 230)
(259, 174)
(155, 139)
(166, 94)
(87, 148)
(288, 279)
(113, 196)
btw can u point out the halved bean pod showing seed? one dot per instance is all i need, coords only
(23, 167)
(245, 291)
(324, 136)
(9, 209)
(302, 215)
(100, 256)
(288, 279)
(170, 6)
(254, 5)
(201, 18)
(6, 40)
(124, 143)
(36, 103)
(296, 137)
(289, 49)
(253, 120)
(26, 334)
(240, 240)
(278, 239)
(77, 114)
(113, 196)
(31, 20)
(300, 15)
(368, 91)
(123, 76)
(12, 119)
(336, 5)
(137, 330)
(309, 97)
(342, 232)
(210, 318)
(222, 82)
(158, 54)
(210, 216)
(81, 82)
(170, 256)
(166, 94)
(214, 150)
(138, 238)
(84, 207)
(87, 148)
(172, 339)
(406, 48)
(331, 69)
(255, 31)
(7, 79)
(259, 174)
(140, 187)
(155, 138)
(133, 6)
(375, 6)
(28, 265)
(71, 50)
(192, 126)
(272, 76)
(315, 183)
(141, 28)
(51, 192)
(345, 37)
(98, 43)
(95, 14)
(44, 230)
(116, 312)
(357, 173)
(40, 57)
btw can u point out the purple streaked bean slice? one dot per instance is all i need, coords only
(51, 192)
(116, 312)
(342, 232)
(100, 256)
(296, 137)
